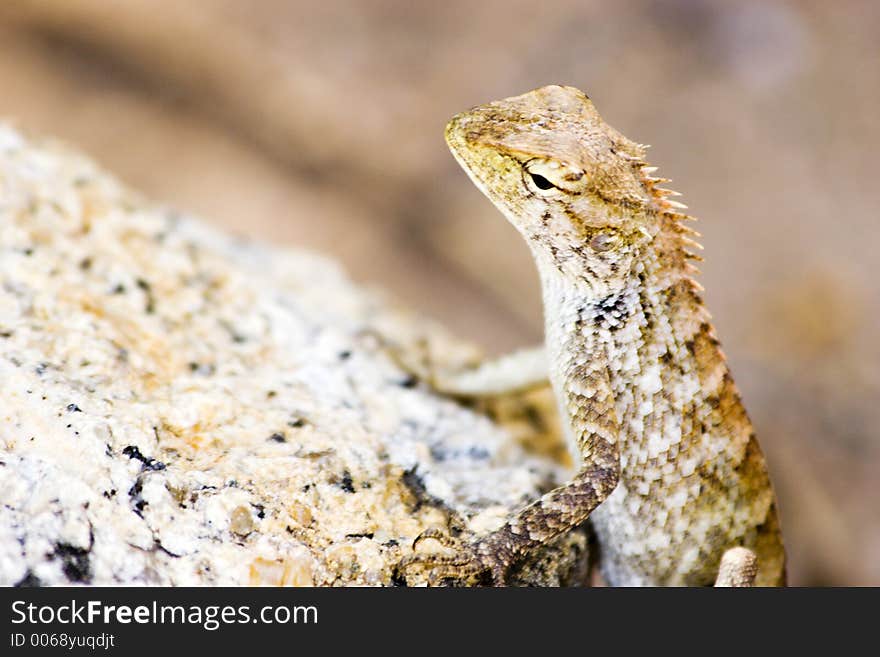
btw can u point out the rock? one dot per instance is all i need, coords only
(184, 408)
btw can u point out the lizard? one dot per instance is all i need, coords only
(670, 476)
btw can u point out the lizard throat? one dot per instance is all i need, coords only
(645, 322)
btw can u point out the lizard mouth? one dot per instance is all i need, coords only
(456, 133)
(462, 138)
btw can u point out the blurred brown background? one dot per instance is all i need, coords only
(320, 125)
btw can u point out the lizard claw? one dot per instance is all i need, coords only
(438, 535)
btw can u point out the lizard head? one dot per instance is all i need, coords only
(571, 184)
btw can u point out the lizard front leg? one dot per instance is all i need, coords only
(589, 406)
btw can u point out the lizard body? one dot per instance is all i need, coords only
(671, 475)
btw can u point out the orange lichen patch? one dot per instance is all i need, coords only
(300, 514)
(186, 441)
(92, 306)
(149, 355)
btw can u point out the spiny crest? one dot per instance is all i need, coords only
(674, 234)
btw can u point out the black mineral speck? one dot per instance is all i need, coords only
(150, 307)
(439, 452)
(278, 438)
(203, 369)
(149, 463)
(478, 453)
(134, 493)
(296, 423)
(235, 336)
(347, 484)
(73, 408)
(75, 562)
(29, 580)
(408, 382)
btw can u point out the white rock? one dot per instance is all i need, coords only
(180, 407)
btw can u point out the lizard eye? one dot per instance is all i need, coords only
(541, 182)
(548, 177)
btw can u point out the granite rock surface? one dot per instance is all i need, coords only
(183, 408)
